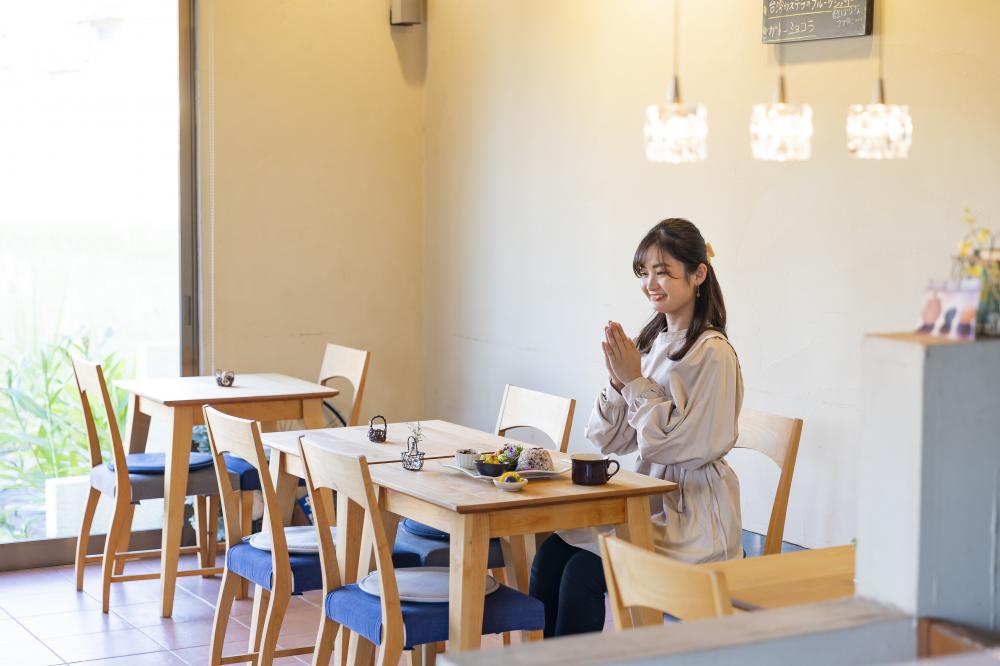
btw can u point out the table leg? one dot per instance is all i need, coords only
(639, 528)
(470, 544)
(285, 485)
(312, 414)
(174, 490)
(136, 427)
(515, 559)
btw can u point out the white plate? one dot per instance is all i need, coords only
(427, 585)
(301, 540)
(561, 467)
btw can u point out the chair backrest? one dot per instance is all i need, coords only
(524, 408)
(327, 471)
(350, 364)
(777, 437)
(91, 385)
(637, 577)
(241, 437)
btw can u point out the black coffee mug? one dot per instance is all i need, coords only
(591, 469)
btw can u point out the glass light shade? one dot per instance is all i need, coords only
(676, 133)
(879, 131)
(781, 132)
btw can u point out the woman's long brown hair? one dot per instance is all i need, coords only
(681, 240)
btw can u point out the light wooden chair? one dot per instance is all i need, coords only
(639, 578)
(777, 437)
(393, 625)
(549, 414)
(338, 363)
(129, 487)
(277, 574)
(349, 364)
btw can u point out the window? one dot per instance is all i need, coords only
(96, 229)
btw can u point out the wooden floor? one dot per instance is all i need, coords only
(44, 620)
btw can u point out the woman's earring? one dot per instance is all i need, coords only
(698, 295)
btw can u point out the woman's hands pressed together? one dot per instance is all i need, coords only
(621, 357)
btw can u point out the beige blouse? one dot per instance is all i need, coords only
(681, 416)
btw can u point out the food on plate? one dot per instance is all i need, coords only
(535, 458)
(511, 477)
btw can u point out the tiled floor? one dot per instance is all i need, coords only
(44, 620)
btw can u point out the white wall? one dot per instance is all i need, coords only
(537, 193)
(311, 145)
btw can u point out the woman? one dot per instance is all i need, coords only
(673, 395)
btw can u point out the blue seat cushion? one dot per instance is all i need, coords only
(255, 565)
(753, 544)
(249, 478)
(436, 552)
(504, 610)
(419, 529)
(156, 463)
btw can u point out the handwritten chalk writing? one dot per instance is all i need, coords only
(794, 20)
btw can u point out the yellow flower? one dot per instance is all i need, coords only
(965, 249)
(983, 237)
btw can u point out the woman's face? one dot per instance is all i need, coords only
(664, 283)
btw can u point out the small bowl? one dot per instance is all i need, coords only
(510, 487)
(466, 458)
(494, 469)
(224, 377)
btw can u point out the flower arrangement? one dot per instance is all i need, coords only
(979, 257)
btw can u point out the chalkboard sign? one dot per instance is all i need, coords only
(801, 20)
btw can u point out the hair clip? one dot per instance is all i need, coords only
(709, 251)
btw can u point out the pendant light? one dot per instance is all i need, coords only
(879, 131)
(781, 132)
(676, 132)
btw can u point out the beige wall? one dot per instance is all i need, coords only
(312, 191)
(537, 193)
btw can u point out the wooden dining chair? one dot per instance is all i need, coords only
(549, 414)
(777, 437)
(130, 478)
(351, 365)
(277, 574)
(384, 620)
(640, 578)
(338, 363)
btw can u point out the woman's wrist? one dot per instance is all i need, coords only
(615, 384)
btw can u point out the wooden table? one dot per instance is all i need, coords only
(788, 579)
(474, 511)
(178, 400)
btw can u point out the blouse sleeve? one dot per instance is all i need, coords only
(697, 423)
(608, 428)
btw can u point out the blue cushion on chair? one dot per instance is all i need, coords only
(435, 552)
(504, 610)
(421, 530)
(249, 478)
(753, 544)
(255, 565)
(156, 463)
